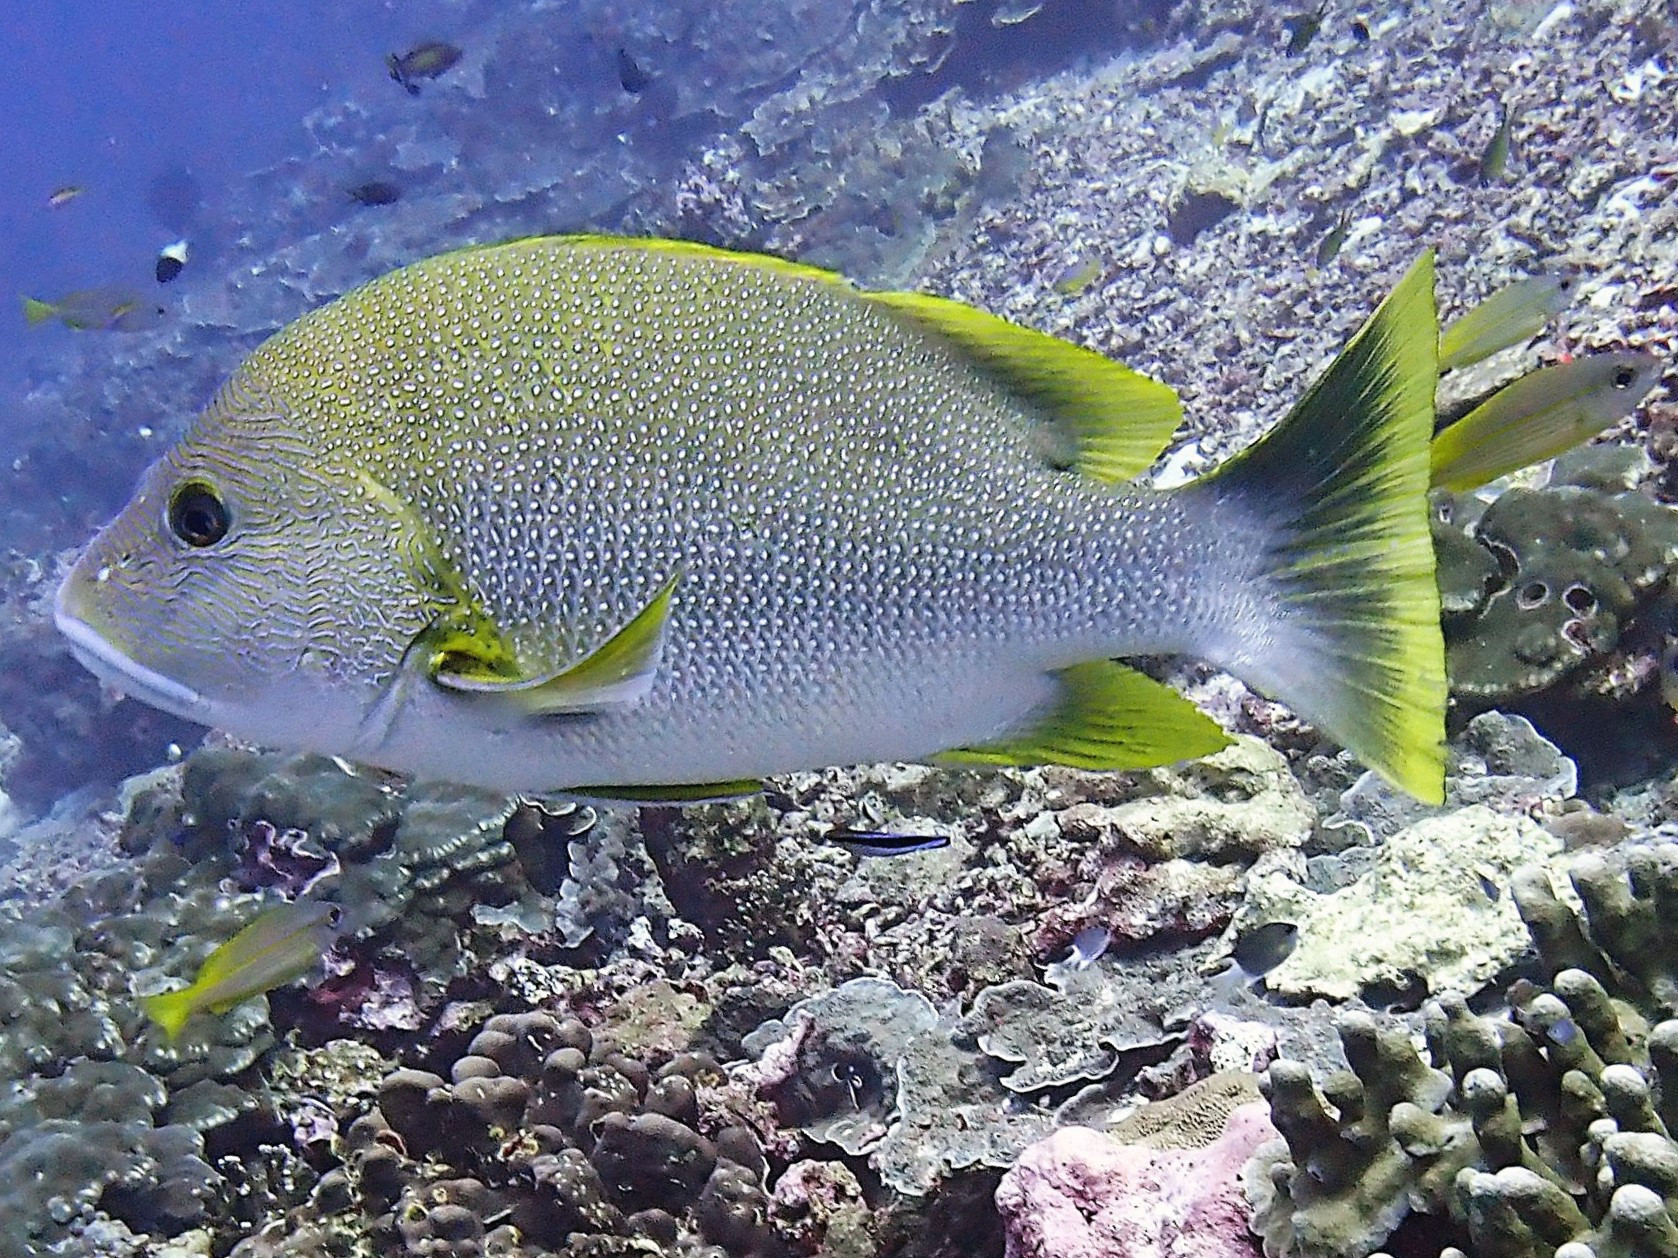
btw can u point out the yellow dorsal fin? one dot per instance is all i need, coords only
(618, 672)
(1108, 717)
(1119, 420)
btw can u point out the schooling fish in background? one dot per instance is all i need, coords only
(105, 309)
(63, 196)
(739, 518)
(1539, 416)
(1514, 313)
(280, 943)
(422, 61)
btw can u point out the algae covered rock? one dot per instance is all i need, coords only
(1542, 582)
(1429, 911)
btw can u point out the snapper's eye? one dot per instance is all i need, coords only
(197, 515)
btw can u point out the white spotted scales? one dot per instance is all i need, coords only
(640, 518)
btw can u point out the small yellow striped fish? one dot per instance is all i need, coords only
(280, 944)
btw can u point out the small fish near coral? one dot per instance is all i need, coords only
(746, 518)
(171, 261)
(104, 309)
(422, 61)
(884, 843)
(280, 943)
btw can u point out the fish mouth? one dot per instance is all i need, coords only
(95, 653)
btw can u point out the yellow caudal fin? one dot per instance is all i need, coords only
(1350, 635)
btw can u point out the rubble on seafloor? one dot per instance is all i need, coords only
(555, 1029)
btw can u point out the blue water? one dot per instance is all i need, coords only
(119, 95)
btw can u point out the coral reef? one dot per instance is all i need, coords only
(1543, 1131)
(551, 1029)
(1082, 1194)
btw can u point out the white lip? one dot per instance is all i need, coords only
(110, 665)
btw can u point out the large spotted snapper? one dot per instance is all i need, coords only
(644, 519)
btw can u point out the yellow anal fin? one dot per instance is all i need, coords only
(619, 672)
(1119, 419)
(678, 793)
(1108, 717)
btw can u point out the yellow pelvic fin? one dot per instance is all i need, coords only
(619, 672)
(1119, 419)
(1539, 416)
(1107, 717)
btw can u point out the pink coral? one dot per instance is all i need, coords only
(1079, 1193)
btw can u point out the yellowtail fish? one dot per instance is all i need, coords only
(96, 310)
(1514, 313)
(63, 196)
(1539, 416)
(280, 943)
(626, 517)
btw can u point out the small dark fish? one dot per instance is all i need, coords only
(1329, 247)
(63, 196)
(376, 192)
(422, 61)
(1262, 949)
(279, 944)
(633, 78)
(171, 261)
(1495, 160)
(883, 843)
(1088, 947)
(1303, 28)
(106, 309)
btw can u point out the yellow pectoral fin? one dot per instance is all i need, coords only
(1108, 717)
(618, 673)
